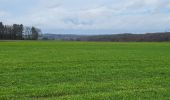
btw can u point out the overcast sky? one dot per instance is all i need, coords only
(88, 16)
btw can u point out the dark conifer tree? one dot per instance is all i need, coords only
(1, 30)
(34, 33)
(18, 32)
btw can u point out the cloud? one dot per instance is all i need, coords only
(116, 15)
(3, 13)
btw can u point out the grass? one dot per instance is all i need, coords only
(84, 70)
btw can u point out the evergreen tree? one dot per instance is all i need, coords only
(1, 30)
(18, 32)
(34, 33)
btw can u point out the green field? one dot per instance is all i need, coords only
(37, 70)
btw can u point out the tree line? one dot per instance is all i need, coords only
(18, 32)
(128, 37)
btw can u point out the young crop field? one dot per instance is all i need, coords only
(51, 70)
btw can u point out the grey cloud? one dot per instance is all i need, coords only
(76, 21)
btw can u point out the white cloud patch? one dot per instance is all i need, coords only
(3, 13)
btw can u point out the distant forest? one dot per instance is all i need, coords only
(18, 32)
(126, 37)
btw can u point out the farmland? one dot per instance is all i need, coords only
(50, 70)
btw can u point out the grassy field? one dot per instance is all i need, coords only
(31, 70)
